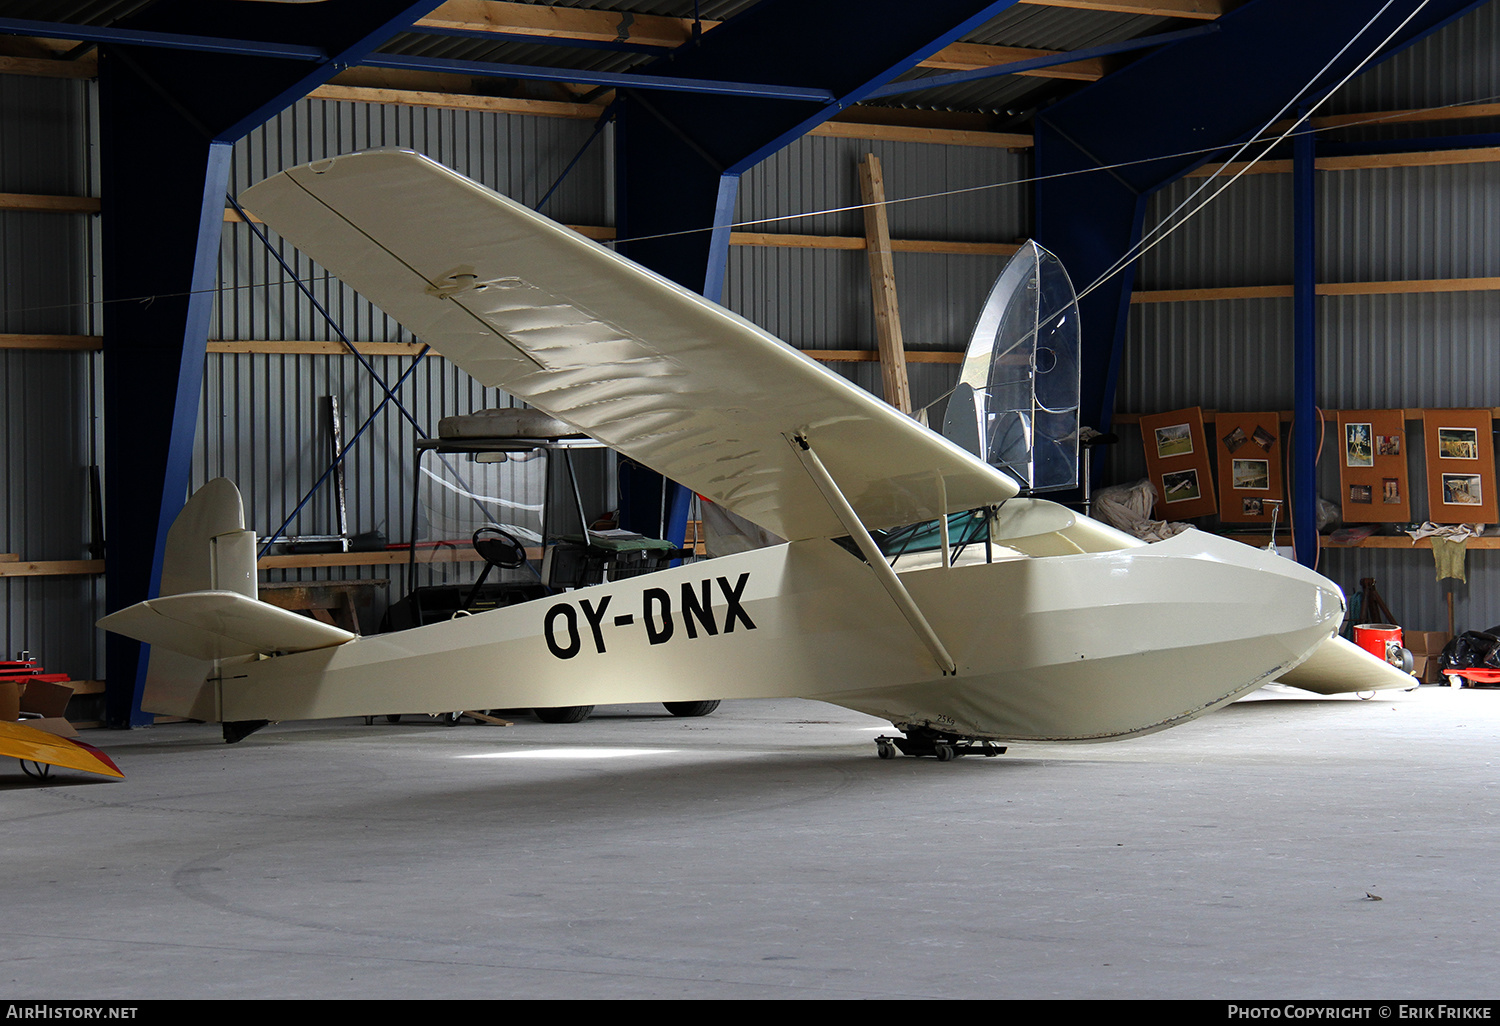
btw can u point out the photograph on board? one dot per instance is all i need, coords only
(1462, 490)
(1358, 451)
(1251, 475)
(1174, 440)
(1458, 443)
(1180, 485)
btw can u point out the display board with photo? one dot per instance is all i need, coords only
(1177, 461)
(1251, 465)
(1460, 466)
(1372, 466)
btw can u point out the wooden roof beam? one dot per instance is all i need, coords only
(972, 56)
(561, 23)
(654, 30)
(45, 58)
(1203, 10)
(37, 56)
(1360, 162)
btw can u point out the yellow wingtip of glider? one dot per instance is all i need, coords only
(31, 745)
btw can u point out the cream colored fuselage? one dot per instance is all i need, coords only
(1075, 647)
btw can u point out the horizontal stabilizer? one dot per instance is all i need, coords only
(1339, 666)
(221, 625)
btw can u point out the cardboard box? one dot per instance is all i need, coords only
(43, 702)
(1425, 647)
(1426, 642)
(52, 725)
(46, 698)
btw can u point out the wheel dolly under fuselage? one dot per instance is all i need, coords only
(939, 744)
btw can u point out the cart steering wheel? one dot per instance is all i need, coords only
(499, 547)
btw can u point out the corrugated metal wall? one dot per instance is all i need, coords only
(820, 299)
(1457, 64)
(1379, 351)
(49, 430)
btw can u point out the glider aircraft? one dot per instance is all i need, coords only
(1057, 628)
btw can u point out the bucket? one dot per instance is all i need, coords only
(1378, 639)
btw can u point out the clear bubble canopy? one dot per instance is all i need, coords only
(1016, 403)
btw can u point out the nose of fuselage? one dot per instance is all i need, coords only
(1324, 599)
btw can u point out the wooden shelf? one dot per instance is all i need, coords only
(50, 567)
(1286, 416)
(1347, 288)
(1402, 541)
(1375, 541)
(299, 561)
(390, 557)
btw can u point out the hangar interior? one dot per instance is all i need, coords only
(154, 337)
(1401, 225)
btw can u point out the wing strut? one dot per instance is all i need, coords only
(883, 572)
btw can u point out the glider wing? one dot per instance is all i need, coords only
(652, 370)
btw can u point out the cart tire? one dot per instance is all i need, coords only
(564, 714)
(691, 708)
(393, 718)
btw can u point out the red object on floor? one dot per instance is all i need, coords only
(1375, 638)
(1476, 676)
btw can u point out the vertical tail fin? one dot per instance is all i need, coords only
(208, 549)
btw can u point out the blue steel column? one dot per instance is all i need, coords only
(718, 246)
(169, 119)
(1305, 426)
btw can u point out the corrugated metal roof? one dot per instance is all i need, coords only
(1023, 25)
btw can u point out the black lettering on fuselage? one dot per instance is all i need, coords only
(657, 633)
(565, 639)
(735, 610)
(565, 611)
(699, 609)
(595, 617)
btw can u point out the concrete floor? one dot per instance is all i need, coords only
(764, 852)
